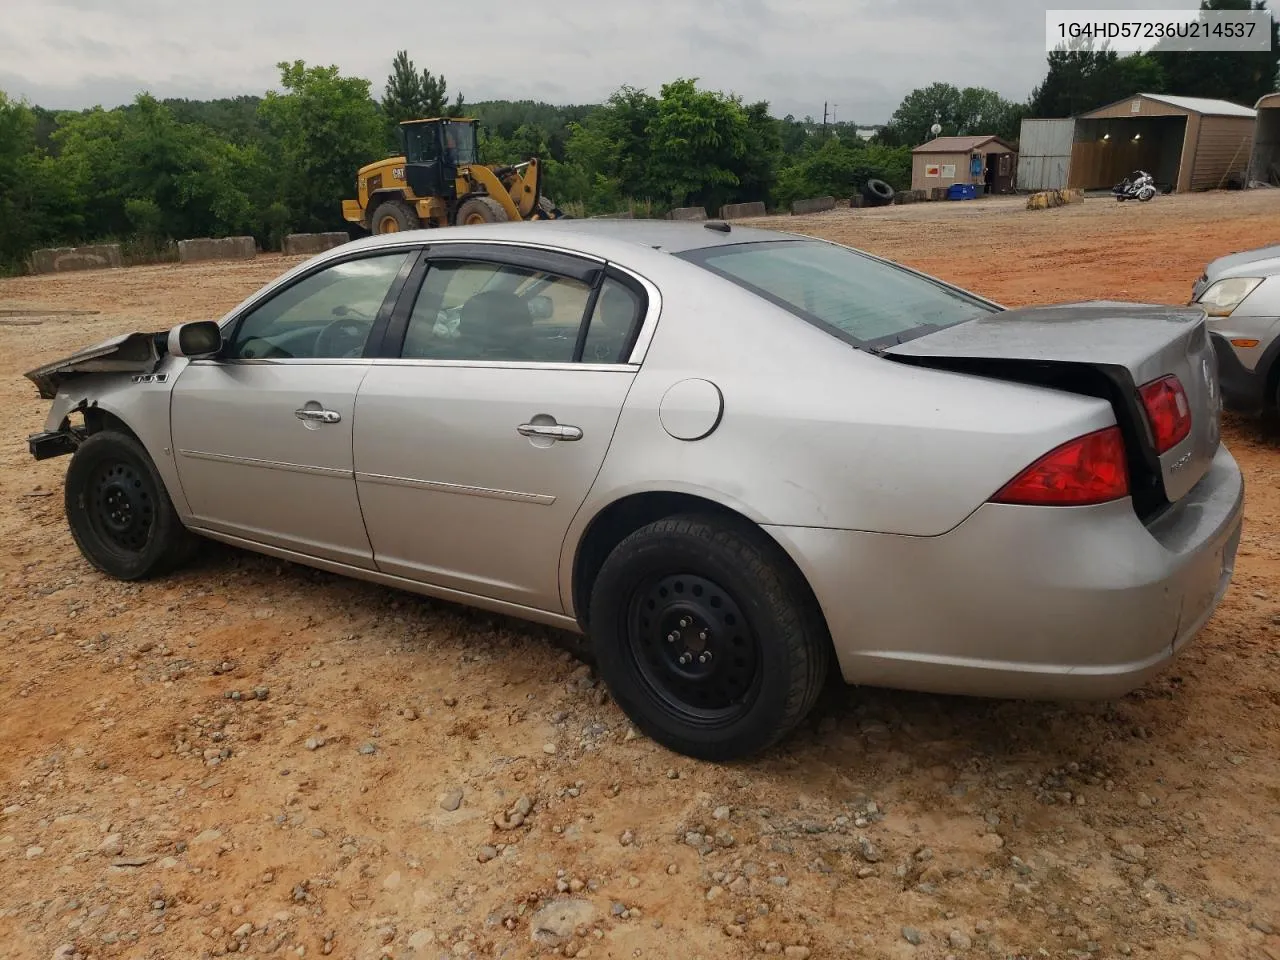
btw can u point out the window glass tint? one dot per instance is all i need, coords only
(420, 142)
(859, 298)
(460, 142)
(326, 315)
(488, 311)
(613, 324)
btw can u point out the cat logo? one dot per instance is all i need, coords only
(397, 173)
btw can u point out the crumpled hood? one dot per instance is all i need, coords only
(126, 353)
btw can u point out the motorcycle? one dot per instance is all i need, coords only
(1139, 185)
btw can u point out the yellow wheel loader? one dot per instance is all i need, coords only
(438, 182)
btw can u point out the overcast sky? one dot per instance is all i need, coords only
(863, 55)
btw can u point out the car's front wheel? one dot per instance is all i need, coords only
(707, 637)
(119, 512)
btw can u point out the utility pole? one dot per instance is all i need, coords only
(824, 120)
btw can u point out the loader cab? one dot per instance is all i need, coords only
(434, 150)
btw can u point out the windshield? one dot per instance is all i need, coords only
(864, 301)
(460, 143)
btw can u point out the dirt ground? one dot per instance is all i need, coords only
(255, 758)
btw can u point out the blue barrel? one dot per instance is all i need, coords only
(962, 191)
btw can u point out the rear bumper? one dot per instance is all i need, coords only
(1243, 390)
(1027, 602)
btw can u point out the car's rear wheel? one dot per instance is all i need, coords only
(707, 637)
(119, 512)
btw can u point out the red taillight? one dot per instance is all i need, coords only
(1088, 469)
(1168, 411)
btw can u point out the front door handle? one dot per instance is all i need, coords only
(552, 431)
(319, 416)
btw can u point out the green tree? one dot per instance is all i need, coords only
(971, 111)
(1081, 77)
(324, 127)
(758, 172)
(1239, 77)
(195, 179)
(698, 142)
(37, 206)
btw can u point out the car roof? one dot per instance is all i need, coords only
(670, 236)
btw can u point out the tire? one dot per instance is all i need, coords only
(877, 193)
(119, 511)
(766, 646)
(393, 216)
(1146, 194)
(481, 210)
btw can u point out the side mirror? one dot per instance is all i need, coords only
(541, 307)
(195, 340)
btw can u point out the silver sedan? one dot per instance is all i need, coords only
(736, 459)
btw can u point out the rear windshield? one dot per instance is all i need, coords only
(864, 301)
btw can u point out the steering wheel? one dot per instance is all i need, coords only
(343, 337)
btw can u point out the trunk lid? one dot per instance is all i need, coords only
(1101, 348)
(127, 353)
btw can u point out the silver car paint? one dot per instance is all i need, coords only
(142, 406)
(250, 467)
(1027, 601)
(437, 442)
(857, 466)
(1258, 315)
(1106, 332)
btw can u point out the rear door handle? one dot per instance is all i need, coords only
(319, 416)
(552, 431)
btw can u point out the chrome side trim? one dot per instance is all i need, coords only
(541, 499)
(268, 464)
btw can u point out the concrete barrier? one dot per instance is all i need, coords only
(1047, 199)
(815, 205)
(228, 248)
(688, 213)
(305, 244)
(63, 259)
(736, 211)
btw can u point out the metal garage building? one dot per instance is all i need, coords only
(1186, 143)
(1265, 165)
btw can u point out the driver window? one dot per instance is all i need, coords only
(326, 316)
(474, 310)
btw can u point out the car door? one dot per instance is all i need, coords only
(477, 444)
(262, 434)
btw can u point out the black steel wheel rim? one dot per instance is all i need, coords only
(121, 506)
(694, 648)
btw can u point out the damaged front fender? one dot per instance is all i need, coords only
(128, 353)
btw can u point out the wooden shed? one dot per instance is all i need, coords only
(1265, 164)
(1186, 143)
(987, 162)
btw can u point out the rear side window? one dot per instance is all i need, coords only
(861, 300)
(478, 310)
(614, 324)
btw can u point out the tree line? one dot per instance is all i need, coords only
(156, 170)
